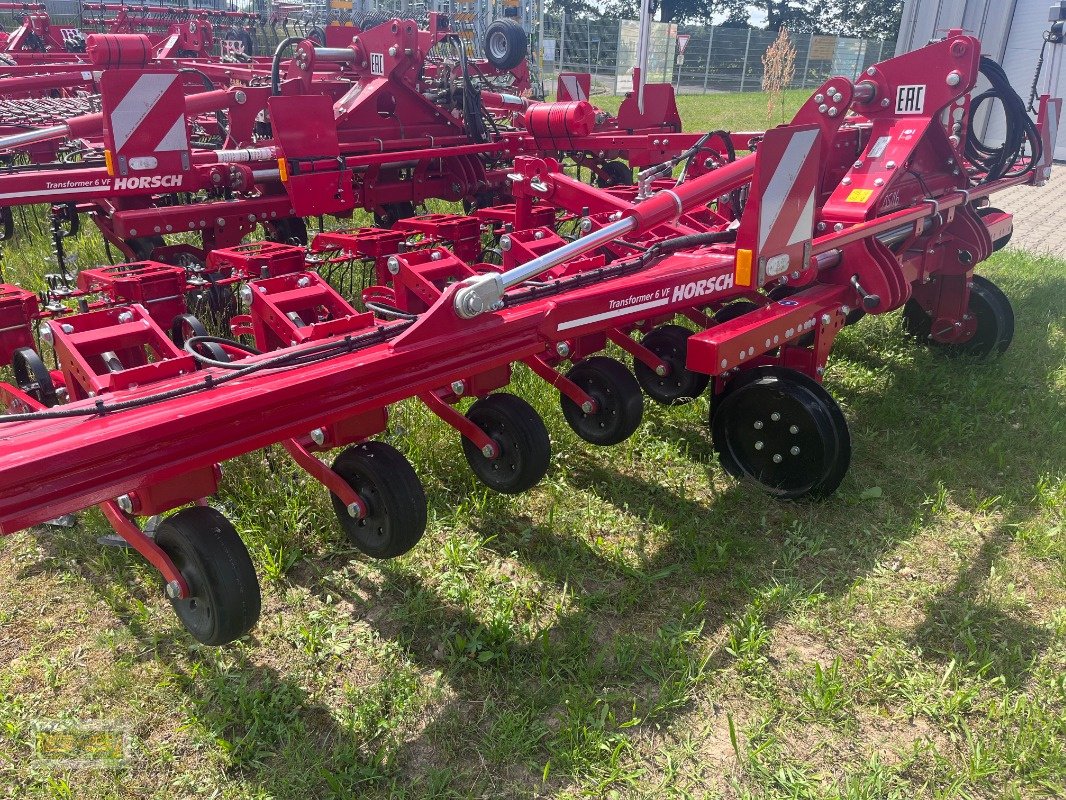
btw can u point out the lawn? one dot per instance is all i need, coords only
(638, 625)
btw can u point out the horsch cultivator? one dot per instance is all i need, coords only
(398, 116)
(874, 198)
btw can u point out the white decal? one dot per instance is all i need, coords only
(910, 99)
(777, 264)
(377, 63)
(699, 288)
(878, 149)
(146, 182)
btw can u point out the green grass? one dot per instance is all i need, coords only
(639, 625)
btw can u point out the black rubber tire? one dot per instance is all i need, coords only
(1003, 241)
(522, 439)
(743, 430)
(33, 377)
(395, 499)
(225, 601)
(733, 310)
(505, 44)
(185, 326)
(617, 394)
(616, 173)
(669, 343)
(291, 230)
(391, 213)
(995, 323)
(144, 246)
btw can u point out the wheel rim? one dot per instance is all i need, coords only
(498, 45)
(508, 462)
(197, 611)
(779, 434)
(604, 420)
(373, 529)
(990, 324)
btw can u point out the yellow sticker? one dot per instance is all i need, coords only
(859, 196)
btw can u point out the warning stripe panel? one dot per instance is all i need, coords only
(781, 185)
(137, 104)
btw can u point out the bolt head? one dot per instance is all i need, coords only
(884, 103)
(832, 112)
(775, 416)
(353, 510)
(563, 349)
(505, 243)
(826, 319)
(458, 387)
(819, 97)
(435, 255)
(585, 225)
(125, 316)
(759, 445)
(793, 429)
(318, 436)
(871, 72)
(538, 235)
(173, 590)
(758, 424)
(794, 450)
(125, 502)
(586, 407)
(488, 451)
(777, 458)
(954, 79)
(393, 264)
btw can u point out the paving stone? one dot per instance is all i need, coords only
(1039, 214)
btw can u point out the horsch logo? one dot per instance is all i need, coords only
(687, 291)
(149, 182)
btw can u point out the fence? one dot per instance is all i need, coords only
(716, 59)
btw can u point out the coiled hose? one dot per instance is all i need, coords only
(997, 162)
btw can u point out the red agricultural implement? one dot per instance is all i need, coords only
(396, 117)
(874, 198)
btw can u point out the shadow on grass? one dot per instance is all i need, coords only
(963, 624)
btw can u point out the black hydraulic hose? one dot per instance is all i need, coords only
(997, 162)
(275, 65)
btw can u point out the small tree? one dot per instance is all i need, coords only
(779, 68)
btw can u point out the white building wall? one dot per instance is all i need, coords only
(1011, 32)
